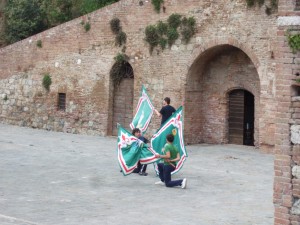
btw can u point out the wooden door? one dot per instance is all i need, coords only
(236, 117)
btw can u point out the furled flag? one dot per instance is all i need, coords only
(144, 112)
(131, 150)
(174, 125)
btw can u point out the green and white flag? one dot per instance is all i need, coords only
(174, 125)
(131, 150)
(144, 112)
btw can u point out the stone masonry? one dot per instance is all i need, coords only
(235, 47)
(231, 50)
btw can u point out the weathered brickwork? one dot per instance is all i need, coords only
(235, 47)
(287, 160)
(79, 63)
(79, 60)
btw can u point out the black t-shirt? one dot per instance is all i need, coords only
(166, 112)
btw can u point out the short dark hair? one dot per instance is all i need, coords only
(170, 138)
(135, 130)
(167, 100)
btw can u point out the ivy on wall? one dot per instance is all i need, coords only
(157, 4)
(293, 41)
(116, 28)
(270, 8)
(86, 25)
(47, 81)
(165, 34)
(117, 70)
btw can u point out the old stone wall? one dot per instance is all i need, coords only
(286, 164)
(235, 47)
(79, 63)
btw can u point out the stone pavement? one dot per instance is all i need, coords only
(49, 178)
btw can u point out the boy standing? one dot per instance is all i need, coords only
(166, 111)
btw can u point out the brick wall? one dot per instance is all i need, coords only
(228, 69)
(286, 164)
(79, 63)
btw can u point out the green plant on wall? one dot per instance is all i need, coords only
(86, 25)
(188, 28)
(121, 38)
(162, 28)
(294, 41)
(117, 71)
(172, 35)
(115, 25)
(152, 36)
(47, 81)
(174, 20)
(272, 7)
(166, 33)
(39, 44)
(157, 4)
(116, 28)
(121, 59)
(251, 3)
(274, 3)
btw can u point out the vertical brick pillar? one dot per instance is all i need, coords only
(286, 185)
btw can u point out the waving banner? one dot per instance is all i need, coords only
(144, 112)
(174, 125)
(131, 150)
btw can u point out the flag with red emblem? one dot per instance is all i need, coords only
(174, 125)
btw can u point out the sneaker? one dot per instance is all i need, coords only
(160, 183)
(143, 173)
(183, 184)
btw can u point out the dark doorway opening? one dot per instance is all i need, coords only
(123, 99)
(241, 117)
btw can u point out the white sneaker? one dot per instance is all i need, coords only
(184, 183)
(160, 182)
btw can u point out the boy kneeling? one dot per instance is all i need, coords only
(171, 157)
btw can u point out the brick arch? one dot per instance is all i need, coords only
(218, 68)
(205, 46)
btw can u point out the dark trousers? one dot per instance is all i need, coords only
(165, 175)
(140, 168)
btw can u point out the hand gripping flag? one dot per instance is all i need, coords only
(144, 112)
(131, 150)
(174, 125)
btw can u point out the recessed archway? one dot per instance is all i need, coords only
(215, 73)
(122, 105)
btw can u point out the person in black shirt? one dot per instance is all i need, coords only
(166, 111)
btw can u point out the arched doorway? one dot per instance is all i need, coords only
(123, 99)
(241, 117)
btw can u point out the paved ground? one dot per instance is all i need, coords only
(49, 178)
